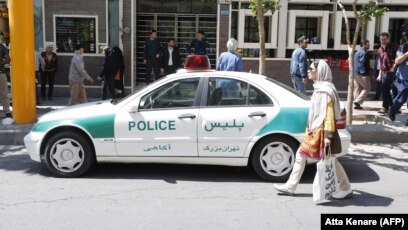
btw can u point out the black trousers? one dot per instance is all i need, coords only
(387, 80)
(152, 64)
(107, 87)
(47, 77)
(377, 89)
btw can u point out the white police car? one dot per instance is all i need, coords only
(206, 117)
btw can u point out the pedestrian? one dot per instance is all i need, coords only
(5, 59)
(77, 75)
(102, 75)
(39, 66)
(152, 56)
(401, 62)
(298, 65)
(387, 53)
(170, 58)
(230, 60)
(112, 71)
(199, 44)
(50, 69)
(324, 110)
(377, 66)
(119, 65)
(362, 84)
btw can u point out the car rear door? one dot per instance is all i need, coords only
(232, 112)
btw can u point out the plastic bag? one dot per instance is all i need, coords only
(325, 182)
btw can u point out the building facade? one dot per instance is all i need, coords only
(127, 23)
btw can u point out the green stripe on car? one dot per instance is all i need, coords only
(98, 126)
(291, 120)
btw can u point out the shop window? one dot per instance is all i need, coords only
(75, 30)
(245, 5)
(251, 29)
(395, 29)
(254, 52)
(308, 27)
(234, 24)
(352, 24)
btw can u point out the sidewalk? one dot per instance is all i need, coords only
(370, 110)
(368, 125)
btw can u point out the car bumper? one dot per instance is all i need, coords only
(32, 142)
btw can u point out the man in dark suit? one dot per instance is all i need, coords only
(152, 56)
(170, 58)
(199, 45)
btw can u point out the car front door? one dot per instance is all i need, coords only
(233, 113)
(165, 123)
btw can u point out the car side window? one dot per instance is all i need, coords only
(226, 91)
(257, 97)
(176, 94)
(231, 92)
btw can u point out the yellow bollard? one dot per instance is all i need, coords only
(21, 19)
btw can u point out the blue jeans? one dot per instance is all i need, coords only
(387, 80)
(401, 97)
(298, 84)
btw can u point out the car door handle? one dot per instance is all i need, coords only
(187, 115)
(257, 114)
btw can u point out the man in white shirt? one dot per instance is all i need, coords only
(170, 58)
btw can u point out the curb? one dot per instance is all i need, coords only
(370, 133)
(14, 134)
(377, 129)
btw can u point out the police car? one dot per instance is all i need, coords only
(191, 117)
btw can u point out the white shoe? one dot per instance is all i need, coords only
(342, 194)
(283, 189)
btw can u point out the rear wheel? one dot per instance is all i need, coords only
(68, 154)
(273, 158)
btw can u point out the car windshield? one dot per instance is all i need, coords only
(290, 89)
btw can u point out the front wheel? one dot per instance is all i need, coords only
(273, 158)
(68, 154)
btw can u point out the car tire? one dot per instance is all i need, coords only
(273, 158)
(68, 154)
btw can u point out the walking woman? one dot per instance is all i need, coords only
(113, 70)
(118, 59)
(324, 111)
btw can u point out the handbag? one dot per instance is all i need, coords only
(313, 143)
(325, 182)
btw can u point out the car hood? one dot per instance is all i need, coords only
(81, 111)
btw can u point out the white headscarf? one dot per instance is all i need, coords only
(324, 92)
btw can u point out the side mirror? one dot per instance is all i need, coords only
(132, 109)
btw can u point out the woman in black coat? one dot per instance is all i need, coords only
(114, 68)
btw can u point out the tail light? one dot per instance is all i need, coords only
(341, 123)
